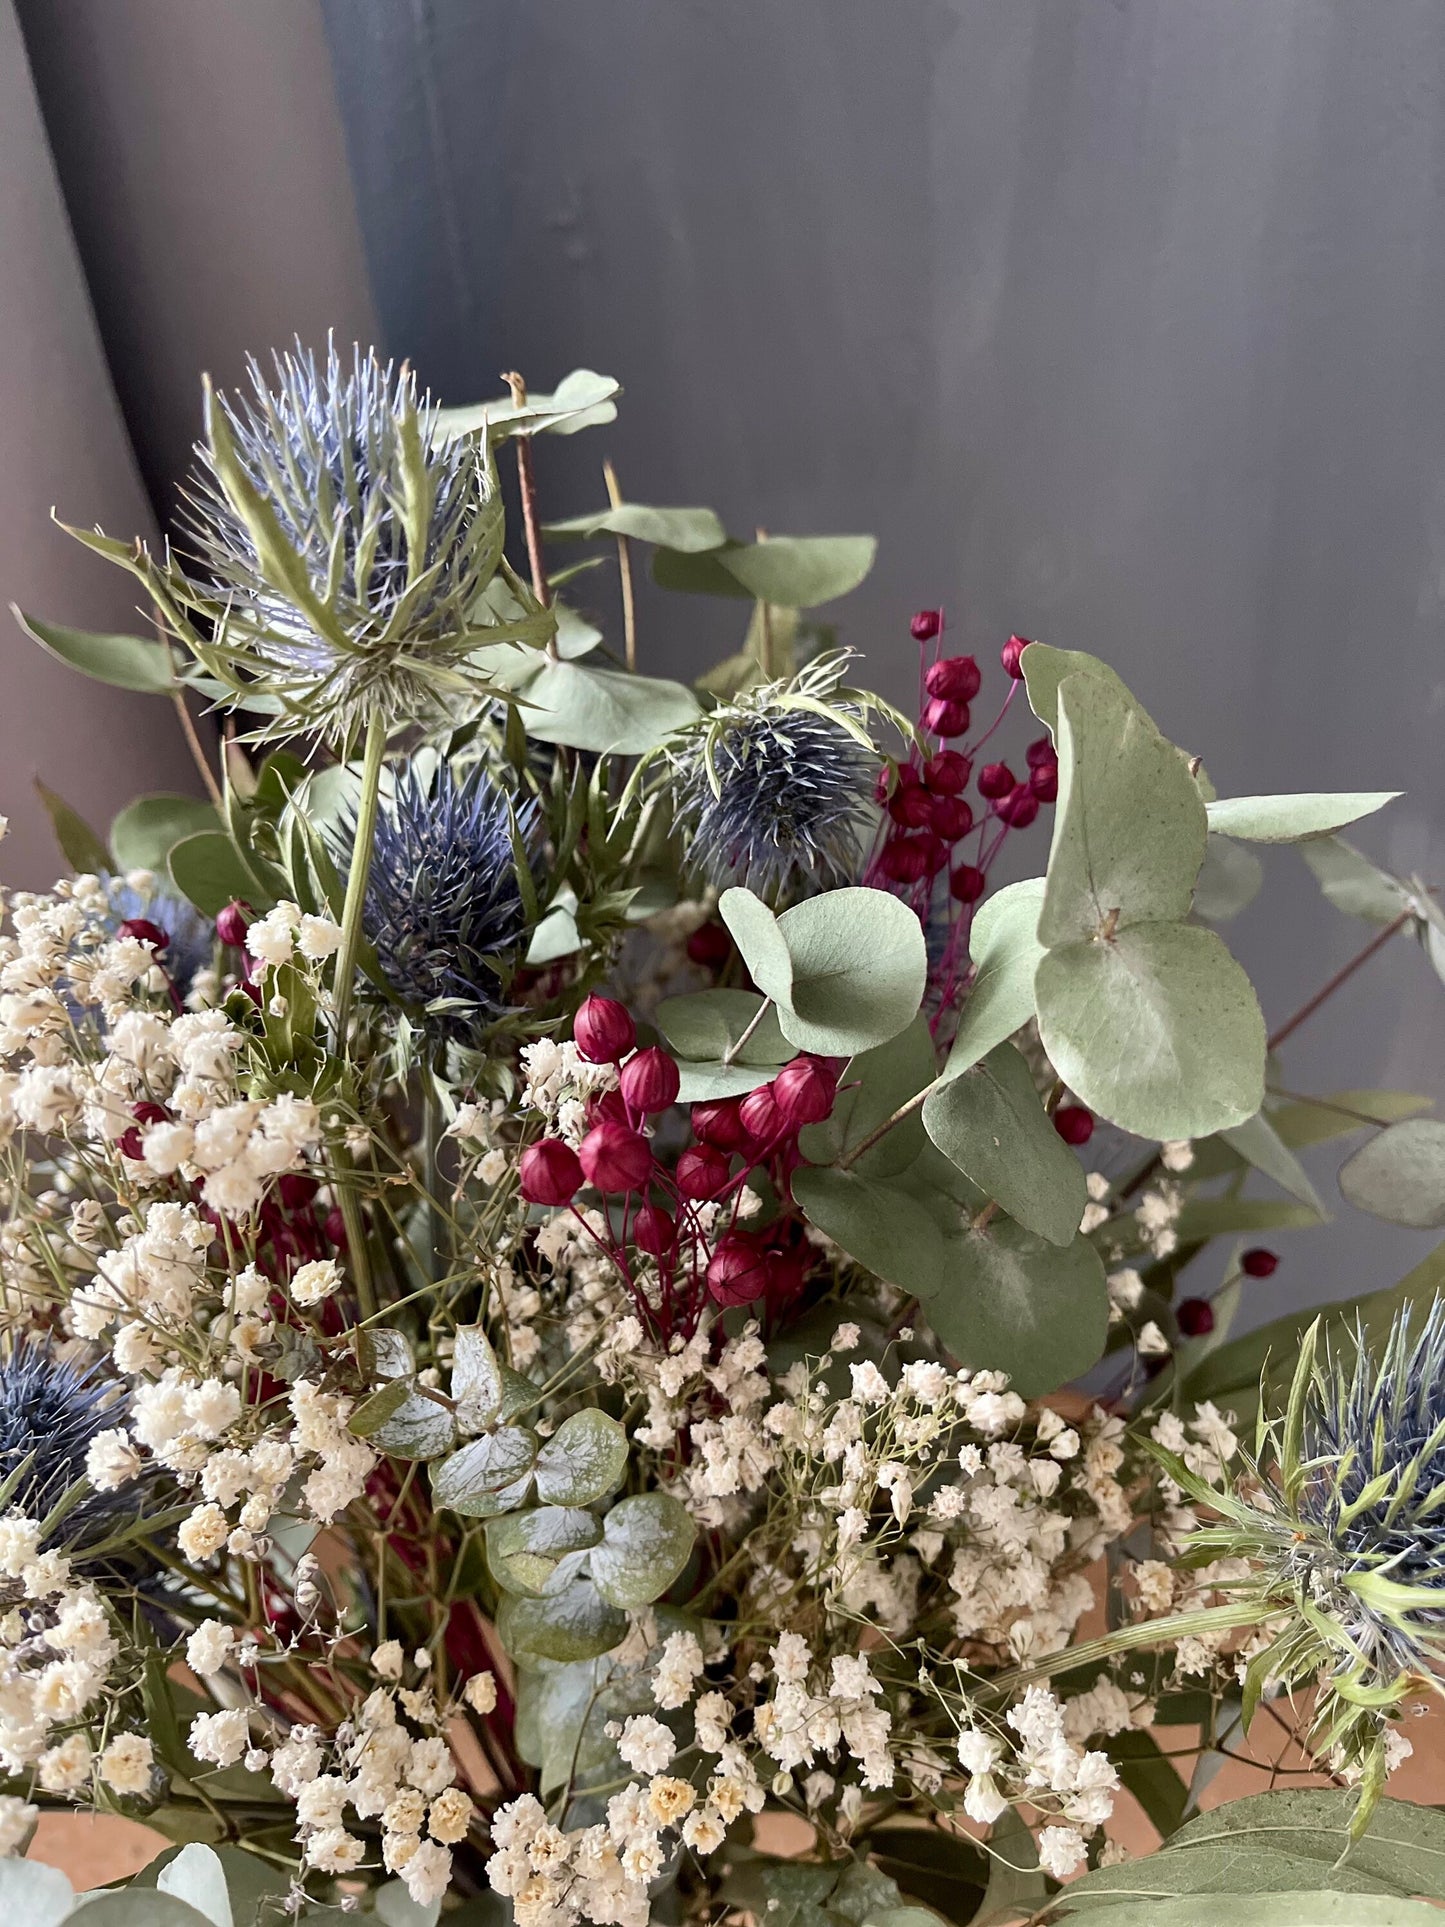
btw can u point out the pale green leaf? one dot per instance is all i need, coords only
(989, 1120)
(801, 571)
(34, 1895)
(877, 1222)
(1300, 1125)
(1230, 880)
(79, 844)
(395, 1907)
(146, 831)
(646, 1542)
(135, 1907)
(419, 1428)
(572, 1624)
(701, 1083)
(555, 937)
(1293, 819)
(476, 1378)
(698, 573)
(1006, 950)
(1352, 883)
(1046, 668)
(707, 1024)
(603, 709)
(688, 530)
(1129, 829)
(1014, 1303)
(1254, 1909)
(1159, 1030)
(209, 871)
(198, 1877)
(125, 662)
(859, 964)
(524, 1549)
(760, 943)
(583, 1459)
(1400, 1175)
(478, 1481)
(874, 1085)
(1259, 1144)
(581, 400)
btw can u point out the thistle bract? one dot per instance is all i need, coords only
(443, 905)
(772, 790)
(191, 935)
(50, 1410)
(345, 546)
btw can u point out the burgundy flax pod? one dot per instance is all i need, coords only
(911, 807)
(718, 1121)
(1041, 750)
(616, 1159)
(549, 1172)
(952, 817)
(650, 1081)
(147, 1112)
(956, 678)
(603, 1030)
(737, 1272)
(702, 1172)
(1195, 1317)
(1074, 1124)
(296, 1190)
(904, 860)
(995, 780)
(967, 884)
(1019, 808)
(608, 1108)
(944, 717)
(335, 1228)
(785, 1270)
(710, 945)
(804, 1092)
(762, 1120)
(653, 1231)
(947, 772)
(232, 925)
(144, 931)
(1259, 1263)
(1011, 656)
(925, 625)
(129, 1142)
(1044, 781)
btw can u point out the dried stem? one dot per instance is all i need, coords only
(530, 523)
(624, 568)
(1377, 942)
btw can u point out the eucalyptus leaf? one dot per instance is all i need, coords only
(210, 872)
(1158, 1030)
(877, 1222)
(394, 1907)
(582, 399)
(79, 844)
(1229, 882)
(33, 1894)
(707, 1024)
(875, 1085)
(1129, 829)
(135, 1907)
(1252, 1909)
(1016, 1883)
(555, 937)
(701, 1083)
(419, 1428)
(646, 1541)
(1045, 670)
(1014, 1303)
(990, 1122)
(524, 1549)
(479, 1480)
(146, 831)
(476, 1377)
(800, 571)
(688, 530)
(1352, 883)
(696, 573)
(1293, 819)
(573, 1624)
(858, 966)
(583, 1460)
(1005, 949)
(1338, 1113)
(1259, 1144)
(125, 662)
(198, 1877)
(604, 709)
(373, 1412)
(1400, 1175)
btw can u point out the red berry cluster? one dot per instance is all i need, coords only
(661, 1213)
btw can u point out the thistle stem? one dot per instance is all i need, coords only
(345, 982)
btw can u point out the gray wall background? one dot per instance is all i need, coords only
(1117, 320)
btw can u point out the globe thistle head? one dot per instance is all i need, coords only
(192, 936)
(444, 904)
(344, 545)
(773, 789)
(50, 1410)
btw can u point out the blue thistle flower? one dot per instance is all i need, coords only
(192, 936)
(443, 903)
(53, 1409)
(347, 544)
(772, 790)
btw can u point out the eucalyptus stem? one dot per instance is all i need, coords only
(345, 981)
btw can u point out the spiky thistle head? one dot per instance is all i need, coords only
(1339, 1524)
(343, 545)
(773, 789)
(444, 904)
(50, 1410)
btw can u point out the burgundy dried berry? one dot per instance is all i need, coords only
(654, 1231)
(147, 1112)
(335, 1228)
(785, 1272)
(296, 1190)
(1019, 808)
(955, 677)
(549, 1172)
(1195, 1317)
(911, 808)
(1041, 750)
(947, 772)
(904, 859)
(944, 717)
(1259, 1263)
(615, 1159)
(232, 925)
(702, 1172)
(738, 1270)
(967, 884)
(952, 817)
(761, 1118)
(129, 1142)
(603, 1030)
(926, 625)
(718, 1121)
(650, 1081)
(1074, 1124)
(144, 931)
(1011, 654)
(996, 779)
(1044, 781)
(710, 945)
(804, 1091)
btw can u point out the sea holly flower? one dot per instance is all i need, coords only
(444, 906)
(51, 1411)
(341, 548)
